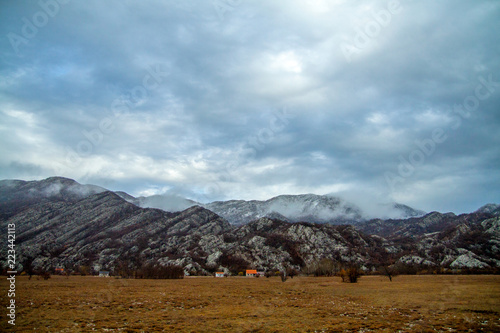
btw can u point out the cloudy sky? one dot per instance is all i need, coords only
(240, 99)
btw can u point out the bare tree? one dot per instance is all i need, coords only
(385, 263)
(28, 266)
(284, 271)
(389, 270)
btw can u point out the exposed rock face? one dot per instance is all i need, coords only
(467, 260)
(61, 223)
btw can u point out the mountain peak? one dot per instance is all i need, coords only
(490, 208)
(58, 179)
(16, 194)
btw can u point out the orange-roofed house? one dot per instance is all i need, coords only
(251, 272)
(219, 274)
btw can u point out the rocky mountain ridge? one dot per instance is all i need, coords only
(292, 208)
(100, 230)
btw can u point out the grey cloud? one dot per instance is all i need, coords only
(228, 75)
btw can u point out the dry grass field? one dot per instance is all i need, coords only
(302, 304)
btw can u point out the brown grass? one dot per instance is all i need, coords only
(302, 304)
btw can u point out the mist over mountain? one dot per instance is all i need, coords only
(292, 208)
(306, 208)
(169, 203)
(15, 195)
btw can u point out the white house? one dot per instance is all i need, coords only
(219, 274)
(103, 273)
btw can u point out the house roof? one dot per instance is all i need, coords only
(220, 273)
(251, 271)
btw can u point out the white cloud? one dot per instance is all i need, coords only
(285, 61)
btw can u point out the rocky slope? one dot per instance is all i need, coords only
(443, 240)
(103, 231)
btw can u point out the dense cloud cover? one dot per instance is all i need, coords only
(235, 99)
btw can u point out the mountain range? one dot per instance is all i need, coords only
(292, 208)
(60, 223)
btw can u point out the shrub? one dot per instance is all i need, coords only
(351, 274)
(291, 272)
(343, 274)
(354, 274)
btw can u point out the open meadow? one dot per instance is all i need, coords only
(422, 303)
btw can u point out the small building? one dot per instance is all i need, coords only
(103, 273)
(219, 274)
(251, 273)
(261, 274)
(59, 271)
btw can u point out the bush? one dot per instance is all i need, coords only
(291, 272)
(354, 274)
(351, 274)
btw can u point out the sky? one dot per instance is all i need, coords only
(238, 99)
